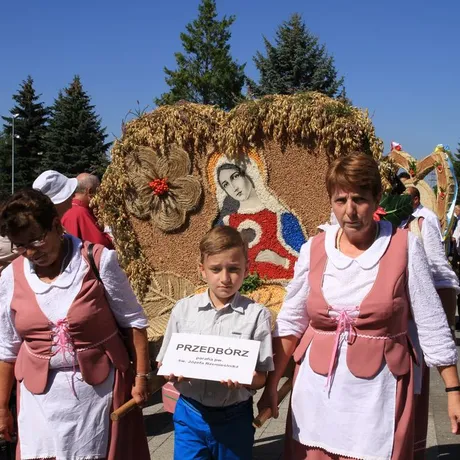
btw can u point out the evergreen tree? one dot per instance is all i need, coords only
(206, 73)
(30, 129)
(296, 62)
(75, 141)
(456, 163)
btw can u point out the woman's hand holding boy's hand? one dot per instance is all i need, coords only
(269, 399)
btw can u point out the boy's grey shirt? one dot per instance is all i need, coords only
(241, 319)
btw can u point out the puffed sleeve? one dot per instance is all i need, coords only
(443, 275)
(293, 318)
(10, 342)
(433, 331)
(122, 300)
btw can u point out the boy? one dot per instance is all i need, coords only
(214, 419)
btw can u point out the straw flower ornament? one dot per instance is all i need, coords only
(161, 187)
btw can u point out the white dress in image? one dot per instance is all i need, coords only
(355, 418)
(70, 421)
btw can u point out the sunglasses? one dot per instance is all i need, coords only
(36, 244)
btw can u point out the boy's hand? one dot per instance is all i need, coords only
(173, 378)
(231, 385)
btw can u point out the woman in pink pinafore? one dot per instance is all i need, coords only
(62, 313)
(345, 321)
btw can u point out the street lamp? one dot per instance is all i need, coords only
(15, 115)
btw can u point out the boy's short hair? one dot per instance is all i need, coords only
(219, 239)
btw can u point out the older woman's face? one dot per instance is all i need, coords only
(41, 247)
(235, 184)
(354, 209)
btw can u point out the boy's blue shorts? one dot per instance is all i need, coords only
(217, 433)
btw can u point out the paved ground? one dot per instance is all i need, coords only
(442, 444)
(269, 439)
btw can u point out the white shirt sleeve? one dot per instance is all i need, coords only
(443, 275)
(122, 300)
(293, 318)
(431, 322)
(10, 341)
(456, 233)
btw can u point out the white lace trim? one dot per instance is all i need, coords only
(317, 445)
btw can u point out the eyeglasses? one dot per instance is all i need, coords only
(36, 244)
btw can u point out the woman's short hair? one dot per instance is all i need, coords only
(221, 238)
(23, 209)
(354, 171)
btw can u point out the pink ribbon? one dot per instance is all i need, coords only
(62, 337)
(345, 323)
(63, 341)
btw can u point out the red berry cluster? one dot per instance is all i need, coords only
(159, 186)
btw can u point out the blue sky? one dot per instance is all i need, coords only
(400, 58)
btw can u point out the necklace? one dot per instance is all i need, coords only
(340, 233)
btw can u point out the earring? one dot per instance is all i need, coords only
(62, 237)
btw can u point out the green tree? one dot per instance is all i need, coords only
(455, 157)
(75, 141)
(296, 62)
(30, 128)
(206, 72)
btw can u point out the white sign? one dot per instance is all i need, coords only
(210, 357)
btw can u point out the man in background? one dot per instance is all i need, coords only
(80, 220)
(421, 211)
(58, 188)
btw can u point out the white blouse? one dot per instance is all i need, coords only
(321, 417)
(48, 424)
(443, 275)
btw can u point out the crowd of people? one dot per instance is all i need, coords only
(369, 310)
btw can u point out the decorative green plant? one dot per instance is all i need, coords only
(412, 168)
(395, 208)
(251, 283)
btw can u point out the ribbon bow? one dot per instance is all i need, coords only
(345, 323)
(63, 341)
